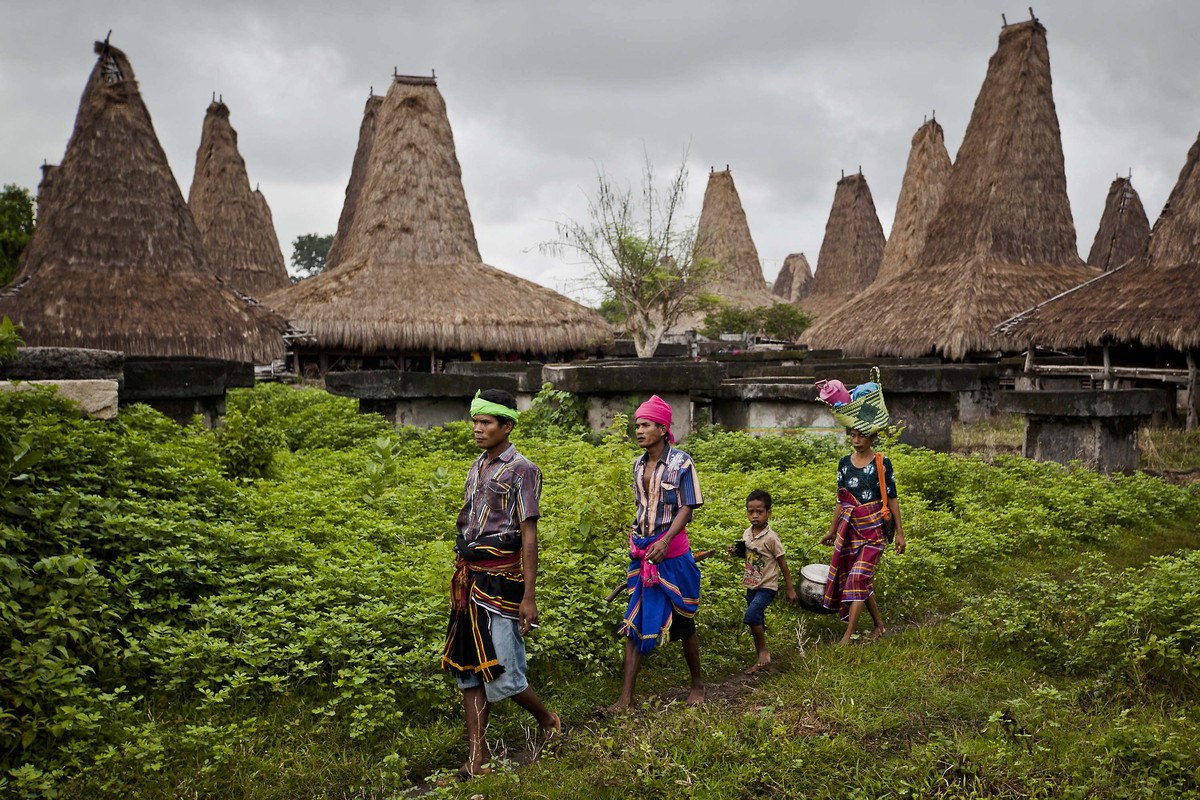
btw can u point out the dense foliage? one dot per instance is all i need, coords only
(309, 251)
(186, 608)
(777, 321)
(16, 227)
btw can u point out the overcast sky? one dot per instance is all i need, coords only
(787, 93)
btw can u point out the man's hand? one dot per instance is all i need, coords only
(527, 614)
(656, 552)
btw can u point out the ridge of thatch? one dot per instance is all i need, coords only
(723, 236)
(795, 279)
(1003, 238)
(1124, 228)
(921, 193)
(410, 275)
(118, 263)
(358, 174)
(852, 249)
(1147, 299)
(240, 246)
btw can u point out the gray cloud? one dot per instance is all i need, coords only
(787, 94)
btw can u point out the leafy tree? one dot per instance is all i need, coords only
(778, 321)
(308, 255)
(612, 311)
(642, 252)
(16, 226)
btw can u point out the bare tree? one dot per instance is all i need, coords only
(642, 253)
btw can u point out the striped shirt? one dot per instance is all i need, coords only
(499, 496)
(673, 485)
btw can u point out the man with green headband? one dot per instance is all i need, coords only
(493, 601)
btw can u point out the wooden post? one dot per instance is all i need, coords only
(1193, 410)
(1107, 369)
(323, 364)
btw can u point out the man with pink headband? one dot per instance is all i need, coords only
(663, 577)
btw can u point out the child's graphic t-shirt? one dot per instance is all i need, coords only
(763, 550)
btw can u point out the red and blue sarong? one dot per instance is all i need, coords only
(660, 590)
(856, 552)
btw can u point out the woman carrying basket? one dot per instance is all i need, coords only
(867, 513)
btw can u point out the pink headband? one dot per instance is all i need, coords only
(658, 411)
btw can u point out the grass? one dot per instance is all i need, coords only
(1169, 449)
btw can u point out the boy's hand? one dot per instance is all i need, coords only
(731, 550)
(792, 596)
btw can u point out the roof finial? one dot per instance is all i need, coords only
(727, 168)
(371, 91)
(220, 98)
(934, 115)
(256, 185)
(107, 36)
(395, 72)
(1032, 16)
(1004, 20)
(433, 74)
(860, 170)
(214, 96)
(843, 174)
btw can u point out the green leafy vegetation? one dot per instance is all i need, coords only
(309, 251)
(16, 227)
(777, 321)
(258, 612)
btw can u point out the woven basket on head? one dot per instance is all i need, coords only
(868, 414)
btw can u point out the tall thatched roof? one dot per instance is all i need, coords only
(269, 220)
(45, 189)
(921, 194)
(723, 236)
(1124, 229)
(240, 245)
(1003, 237)
(1150, 299)
(117, 263)
(795, 279)
(410, 275)
(851, 250)
(358, 176)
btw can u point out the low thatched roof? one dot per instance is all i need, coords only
(1150, 299)
(851, 250)
(358, 176)
(1003, 238)
(410, 276)
(723, 236)
(795, 279)
(240, 243)
(117, 263)
(921, 194)
(1124, 229)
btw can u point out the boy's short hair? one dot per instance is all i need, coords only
(500, 397)
(762, 495)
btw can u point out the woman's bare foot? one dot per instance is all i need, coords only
(696, 696)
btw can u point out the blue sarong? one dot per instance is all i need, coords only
(677, 591)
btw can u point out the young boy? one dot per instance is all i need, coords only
(764, 562)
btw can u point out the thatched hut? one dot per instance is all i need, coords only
(238, 239)
(118, 263)
(410, 281)
(795, 279)
(358, 174)
(1149, 301)
(723, 237)
(852, 249)
(1003, 237)
(921, 195)
(1124, 228)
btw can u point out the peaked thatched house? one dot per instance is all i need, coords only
(239, 240)
(116, 261)
(269, 219)
(1124, 228)
(358, 175)
(1149, 302)
(410, 286)
(795, 279)
(851, 251)
(723, 236)
(921, 195)
(1003, 237)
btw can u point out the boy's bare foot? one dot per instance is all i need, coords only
(696, 696)
(879, 631)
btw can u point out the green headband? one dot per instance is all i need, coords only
(481, 406)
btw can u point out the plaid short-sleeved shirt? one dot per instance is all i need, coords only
(499, 496)
(673, 484)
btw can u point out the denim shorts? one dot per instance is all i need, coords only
(757, 601)
(510, 652)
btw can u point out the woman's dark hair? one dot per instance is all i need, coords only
(500, 397)
(760, 494)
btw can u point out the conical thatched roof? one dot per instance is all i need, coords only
(1151, 300)
(240, 246)
(410, 276)
(358, 176)
(851, 250)
(921, 194)
(45, 189)
(723, 236)
(1003, 238)
(118, 263)
(795, 279)
(1124, 229)
(268, 219)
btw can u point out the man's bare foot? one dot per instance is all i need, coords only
(619, 707)
(551, 728)
(764, 663)
(696, 696)
(470, 769)
(879, 631)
